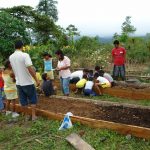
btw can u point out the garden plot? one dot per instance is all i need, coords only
(119, 113)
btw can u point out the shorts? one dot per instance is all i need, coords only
(11, 95)
(74, 80)
(50, 74)
(27, 94)
(105, 85)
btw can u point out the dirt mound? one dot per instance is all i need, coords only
(118, 113)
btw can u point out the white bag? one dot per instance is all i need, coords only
(66, 124)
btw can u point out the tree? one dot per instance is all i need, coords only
(48, 8)
(23, 13)
(116, 36)
(126, 27)
(40, 27)
(44, 29)
(72, 31)
(11, 29)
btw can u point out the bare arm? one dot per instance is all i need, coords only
(33, 74)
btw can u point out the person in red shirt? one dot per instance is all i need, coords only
(118, 59)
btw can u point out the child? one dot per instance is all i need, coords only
(80, 84)
(97, 69)
(1, 92)
(47, 86)
(88, 87)
(90, 74)
(48, 68)
(10, 89)
(38, 76)
(78, 75)
(100, 81)
(107, 76)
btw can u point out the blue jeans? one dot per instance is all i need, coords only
(65, 85)
(1, 99)
(89, 92)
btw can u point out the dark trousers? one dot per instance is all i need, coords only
(119, 71)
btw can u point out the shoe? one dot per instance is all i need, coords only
(8, 113)
(15, 115)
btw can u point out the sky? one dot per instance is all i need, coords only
(97, 17)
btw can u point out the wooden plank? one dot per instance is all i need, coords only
(118, 92)
(78, 143)
(121, 128)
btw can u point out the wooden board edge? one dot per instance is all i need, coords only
(136, 131)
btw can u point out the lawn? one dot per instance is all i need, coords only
(13, 136)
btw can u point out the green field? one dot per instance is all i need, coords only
(14, 135)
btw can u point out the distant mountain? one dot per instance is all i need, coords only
(105, 39)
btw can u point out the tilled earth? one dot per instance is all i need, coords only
(139, 116)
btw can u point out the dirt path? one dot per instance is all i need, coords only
(117, 113)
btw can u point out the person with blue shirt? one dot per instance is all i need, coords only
(48, 65)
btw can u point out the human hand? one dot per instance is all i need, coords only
(58, 69)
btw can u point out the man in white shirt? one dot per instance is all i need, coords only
(78, 75)
(22, 67)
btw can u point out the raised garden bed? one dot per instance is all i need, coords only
(126, 119)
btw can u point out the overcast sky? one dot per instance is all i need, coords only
(97, 17)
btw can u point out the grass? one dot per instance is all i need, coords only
(11, 134)
(109, 98)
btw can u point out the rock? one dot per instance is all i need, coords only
(128, 137)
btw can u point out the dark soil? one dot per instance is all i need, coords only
(119, 114)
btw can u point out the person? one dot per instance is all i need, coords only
(63, 67)
(23, 69)
(90, 74)
(48, 65)
(118, 59)
(107, 76)
(100, 82)
(10, 89)
(47, 86)
(97, 69)
(1, 92)
(81, 83)
(38, 76)
(77, 75)
(88, 90)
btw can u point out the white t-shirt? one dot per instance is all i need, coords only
(102, 80)
(76, 74)
(19, 62)
(64, 63)
(108, 77)
(89, 85)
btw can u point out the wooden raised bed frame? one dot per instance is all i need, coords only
(118, 92)
(137, 131)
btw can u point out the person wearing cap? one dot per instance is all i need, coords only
(118, 59)
(23, 70)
